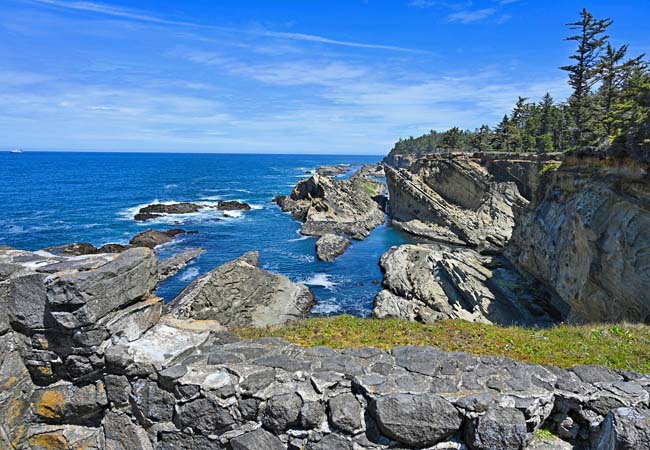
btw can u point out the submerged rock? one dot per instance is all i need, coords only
(427, 283)
(240, 294)
(330, 246)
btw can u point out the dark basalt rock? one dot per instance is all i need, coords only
(233, 205)
(159, 209)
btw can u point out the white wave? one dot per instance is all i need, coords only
(326, 308)
(255, 207)
(321, 280)
(301, 237)
(189, 274)
(208, 212)
(171, 186)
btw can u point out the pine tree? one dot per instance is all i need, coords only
(583, 74)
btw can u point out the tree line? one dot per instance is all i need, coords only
(609, 106)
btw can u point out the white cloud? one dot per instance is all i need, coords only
(471, 16)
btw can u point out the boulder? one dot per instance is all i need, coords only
(240, 294)
(154, 238)
(329, 246)
(257, 440)
(417, 420)
(625, 429)
(502, 428)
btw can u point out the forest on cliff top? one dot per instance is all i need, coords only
(609, 106)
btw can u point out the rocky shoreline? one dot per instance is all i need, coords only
(92, 359)
(87, 365)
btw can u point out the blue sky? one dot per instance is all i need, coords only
(301, 76)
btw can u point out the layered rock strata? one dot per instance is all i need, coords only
(239, 294)
(587, 237)
(427, 283)
(453, 200)
(350, 207)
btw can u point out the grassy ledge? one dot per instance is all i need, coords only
(616, 346)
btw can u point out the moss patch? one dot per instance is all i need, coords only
(615, 346)
(551, 166)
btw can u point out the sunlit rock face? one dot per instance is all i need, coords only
(587, 237)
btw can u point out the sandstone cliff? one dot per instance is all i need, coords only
(453, 199)
(587, 237)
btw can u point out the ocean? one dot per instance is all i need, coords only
(52, 198)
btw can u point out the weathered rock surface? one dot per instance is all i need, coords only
(133, 380)
(333, 171)
(427, 283)
(329, 246)
(172, 265)
(458, 197)
(343, 207)
(587, 237)
(233, 205)
(153, 238)
(159, 209)
(239, 294)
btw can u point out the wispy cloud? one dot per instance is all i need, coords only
(478, 15)
(105, 9)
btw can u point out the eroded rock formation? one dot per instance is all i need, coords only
(587, 237)
(453, 199)
(88, 363)
(427, 283)
(328, 206)
(240, 294)
(330, 246)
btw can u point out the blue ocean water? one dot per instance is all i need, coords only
(55, 198)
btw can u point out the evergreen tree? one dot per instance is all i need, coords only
(591, 38)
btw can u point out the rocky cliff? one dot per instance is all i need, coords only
(88, 363)
(587, 237)
(453, 199)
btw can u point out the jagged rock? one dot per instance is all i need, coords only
(625, 429)
(503, 428)
(586, 236)
(330, 246)
(67, 403)
(239, 293)
(159, 209)
(373, 170)
(459, 197)
(153, 238)
(282, 411)
(172, 265)
(65, 437)
(73, 249)
(427, 283)
(416, 420)
(333, 171)
(122, 434)
(346, 413)
(233, 205)
(330, 206)
(257, 440)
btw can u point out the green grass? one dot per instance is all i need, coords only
(371, 188)
(551, 166)
(616, 346)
